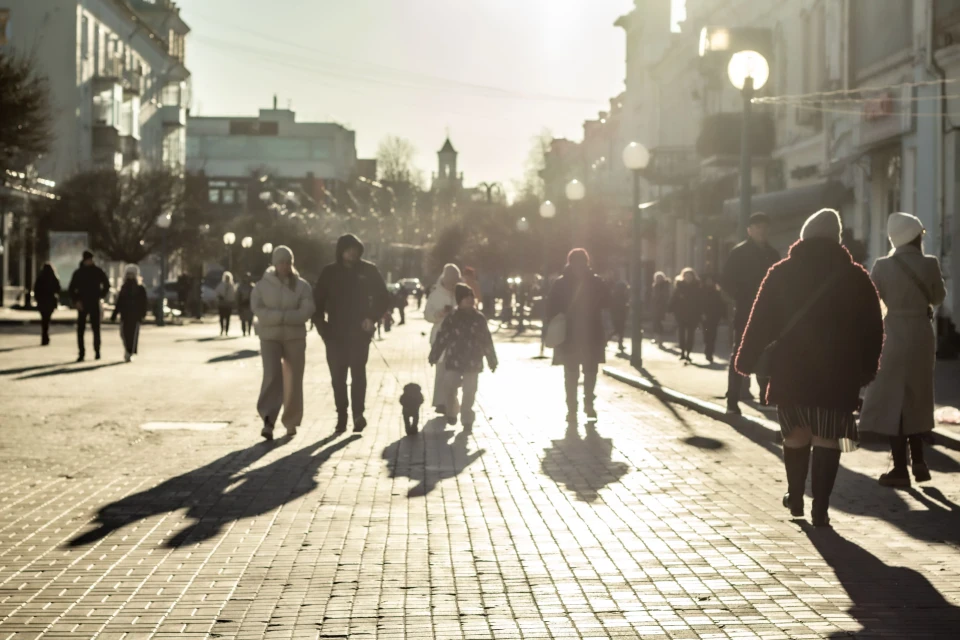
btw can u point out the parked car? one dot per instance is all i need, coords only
(207, 294)
(410, 285)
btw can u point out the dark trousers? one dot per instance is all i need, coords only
(688, 334)
(620, 326)
(225, 313)
(246, 320)
(45, 315)
(571, 379)
(130, 333)
(735, 381)
(403, 313)
(710, 338)
(93, 311)
(490, 306)
(898, 446)
(343, 355)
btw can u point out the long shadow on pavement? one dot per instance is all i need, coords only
(583, 465)
(859, 494)
(220, 492)
(18, 370)
(430, 456)
(892, 602)
(69, 370)
(239, 355)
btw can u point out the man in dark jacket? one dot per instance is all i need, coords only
(351, 297)
(743, 274)
(88, 286)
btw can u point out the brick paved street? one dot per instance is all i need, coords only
(658, 523)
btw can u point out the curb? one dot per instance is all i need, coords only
(758, 427)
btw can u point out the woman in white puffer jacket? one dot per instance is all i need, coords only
(440, 304)
(283, 303)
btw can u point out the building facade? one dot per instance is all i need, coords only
(118, 80)
(244, 157)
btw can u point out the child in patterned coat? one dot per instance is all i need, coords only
(465, 338)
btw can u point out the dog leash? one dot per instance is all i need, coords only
(400, 383)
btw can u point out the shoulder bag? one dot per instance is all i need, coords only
(900, 262)
(766, 358)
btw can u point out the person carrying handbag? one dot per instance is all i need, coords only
(581, 296)
(900, 403)
(817, 324)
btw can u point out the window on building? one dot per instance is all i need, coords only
(85, 37)
(227, 197)
(285, 149)
(4, 26)
(193, 147)
(879, 29)
(214, 196)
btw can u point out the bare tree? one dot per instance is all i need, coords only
(120, 211)
(395, 161)
(25, 115)
(531, 187)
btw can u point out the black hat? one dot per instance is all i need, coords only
(759, 218)
(87, 255)
(463, 292)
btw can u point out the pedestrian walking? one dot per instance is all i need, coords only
(283, 303)
(463, 341)
(226, 299)
(582, 297)
(418, 294)
(244, 294)
(746, 267)
(440, 304)
(132, 308)
(88, 288)
(816, 326)
(900, 402)
(686, 305)
(660, 293)
(714, 310)
(400, 301)
(351, 298)
(620, 303)
(46, 292)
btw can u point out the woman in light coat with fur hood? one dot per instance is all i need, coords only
(283, 303)
(899, 404)
(440, 304)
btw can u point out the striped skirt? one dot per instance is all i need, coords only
(829, 424)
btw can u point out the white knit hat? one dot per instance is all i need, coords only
(132, 271)
(282, 254)
(823, 224)
(903, 228)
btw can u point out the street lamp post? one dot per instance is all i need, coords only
(229, 238)
(636, 158)
(163, 221)
(575, 193)
(246, 243)
(548, 211)
(748, 71)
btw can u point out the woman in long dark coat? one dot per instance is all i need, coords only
(582, 296)
(687, 308)
(899, 404)
(46, 292)
(822, 312)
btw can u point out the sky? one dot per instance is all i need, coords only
(492, 73)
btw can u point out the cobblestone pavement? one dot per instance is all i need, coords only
(657, 523)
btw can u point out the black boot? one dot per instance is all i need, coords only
(797, 462)
(341, 423)
(921, 472)
(826, 463)
(900, 476)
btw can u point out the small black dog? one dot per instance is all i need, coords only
(411, 401)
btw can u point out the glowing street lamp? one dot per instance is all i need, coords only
(575, 192)
(247, 242)
(267, 248)
(229, 239)
(548, 210)
(748, 71)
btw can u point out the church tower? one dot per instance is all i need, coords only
(447, 176)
